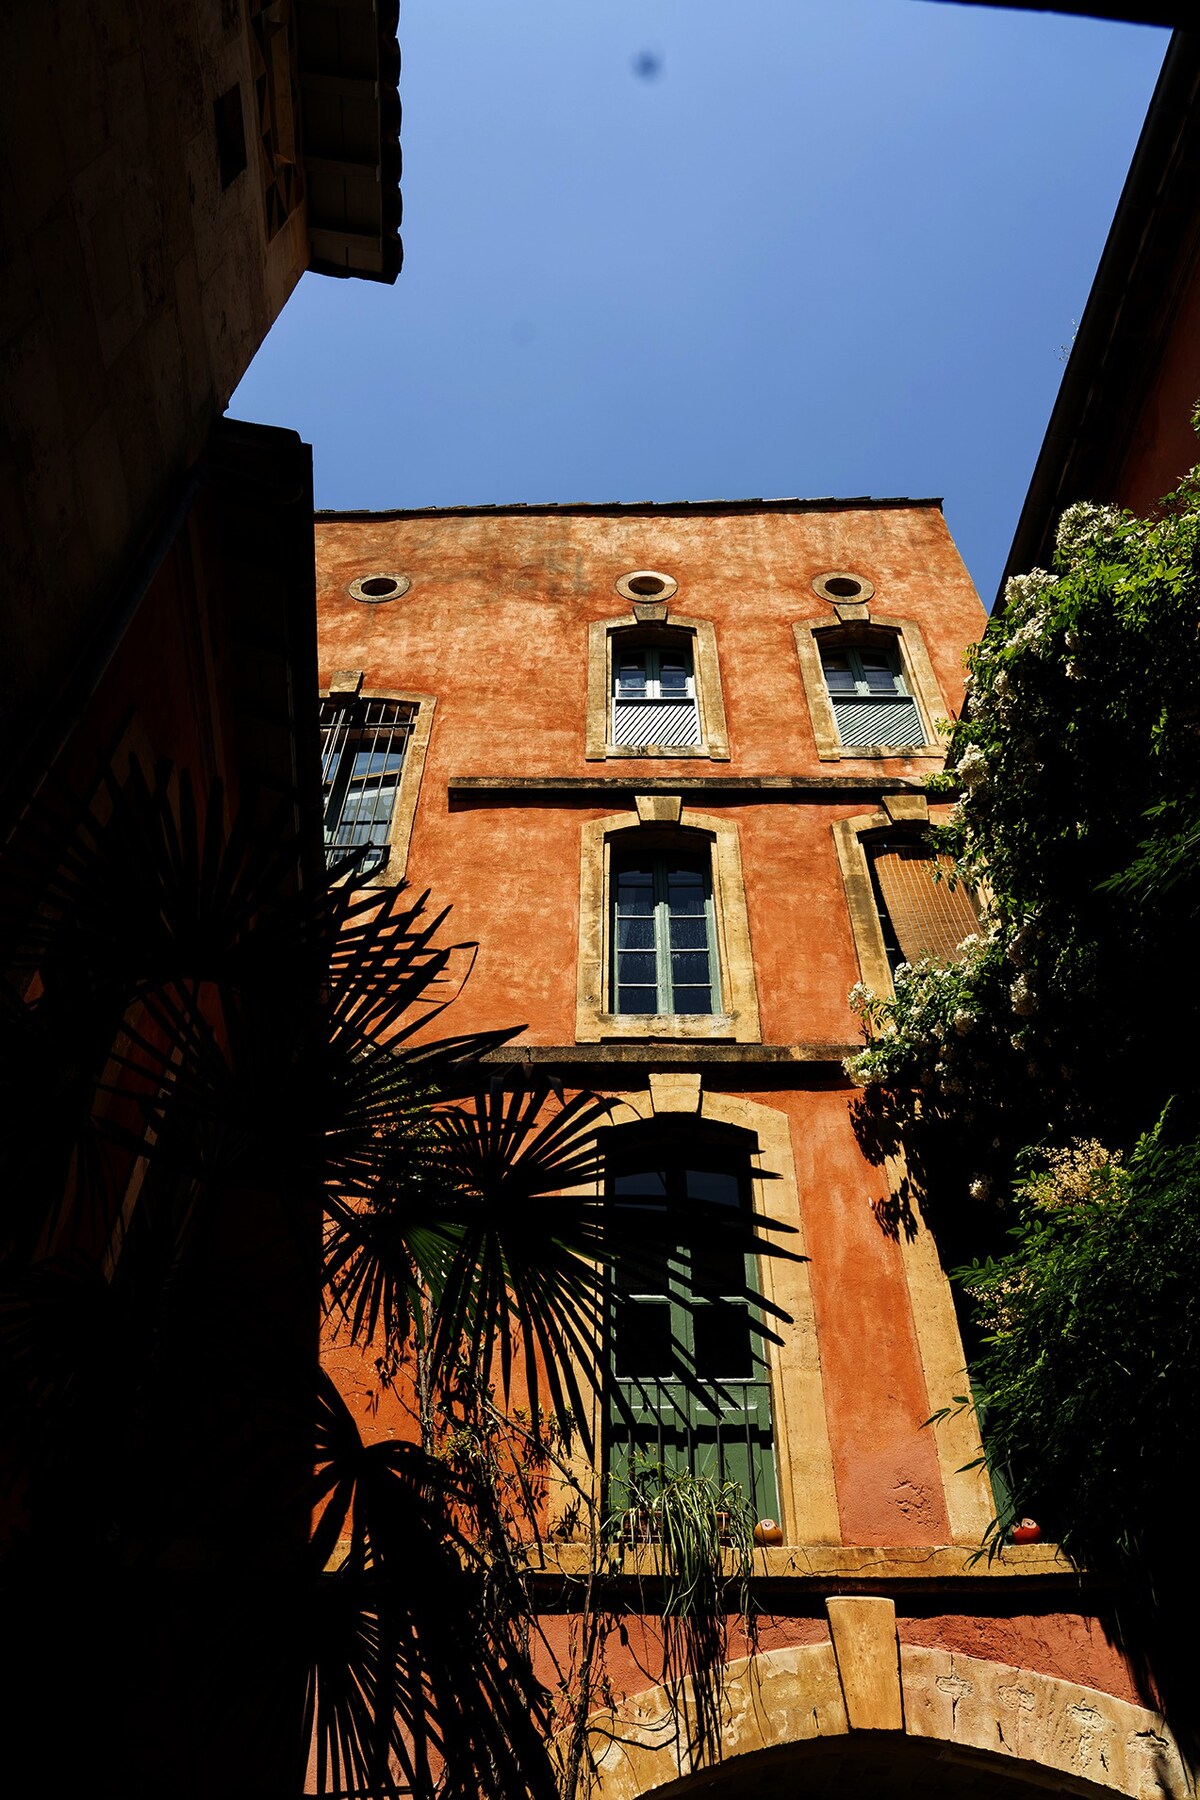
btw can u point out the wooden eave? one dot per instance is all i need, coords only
(349, 80)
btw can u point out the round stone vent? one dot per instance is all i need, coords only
(376, 588)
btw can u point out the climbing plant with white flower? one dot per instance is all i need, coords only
(1075, 756)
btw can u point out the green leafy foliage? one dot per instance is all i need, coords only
(1091, 1360)
(1042, 1087)
(1075, 763)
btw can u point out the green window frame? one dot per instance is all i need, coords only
(654, 700)
(871, 702)
(688, 1383)
(664, 937)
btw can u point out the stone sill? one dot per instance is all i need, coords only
(845, 1568)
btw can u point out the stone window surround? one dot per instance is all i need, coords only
(347, 684)
(663, 817)
(803, 1454)
(911, 810)
(714, 734)
(899, 810)
(857, 625)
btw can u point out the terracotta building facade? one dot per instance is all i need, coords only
(667, 763)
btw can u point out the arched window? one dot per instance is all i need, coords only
(870, 697)
(664, 939)
(654, 689)
(688, 1385)
(664, 934)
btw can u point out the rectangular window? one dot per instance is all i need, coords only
(920, 916)
(363, 744)
(664, 938)
(654, 696)
(688, 1384)
(871, 705)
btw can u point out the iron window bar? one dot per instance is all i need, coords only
(363, 746)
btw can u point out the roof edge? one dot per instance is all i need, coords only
(1105, 323)
(617, 508)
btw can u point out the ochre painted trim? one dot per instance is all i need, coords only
(803, 1454)
(706, 667)
(873, 964)
(594, 1023)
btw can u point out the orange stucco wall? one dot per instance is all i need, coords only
(495, 626)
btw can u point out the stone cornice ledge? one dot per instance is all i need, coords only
(465, 788)
(663, 1052)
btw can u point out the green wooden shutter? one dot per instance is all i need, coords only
(688, 1383)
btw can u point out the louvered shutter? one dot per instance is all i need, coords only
(928, 917)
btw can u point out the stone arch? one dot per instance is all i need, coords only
(1005, 1728)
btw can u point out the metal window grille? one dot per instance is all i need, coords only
(363, 745)
(688, 1384)
(871, 706)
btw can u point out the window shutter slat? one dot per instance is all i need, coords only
(928, 917)
(894, 723)
(669, 723)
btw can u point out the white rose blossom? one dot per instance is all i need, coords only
(1021, 996)
(972, 766)
(1021, 588)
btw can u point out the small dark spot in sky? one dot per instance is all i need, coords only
(647, 66)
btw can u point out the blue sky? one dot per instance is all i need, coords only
(682, 249)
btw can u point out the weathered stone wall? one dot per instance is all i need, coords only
(135, 292)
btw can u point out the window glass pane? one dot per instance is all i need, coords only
(642, 1338)
(635, 891)
(674, 668)
(638, 968)
(649, 1184)
(689, 1001)
(640, 1001)
(713, 1185)
(689, 968)
(879, 671)
(689, 931)
(636, 932)
(631, 674)
(686, 890)
(723, 1343)
(839, 676)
